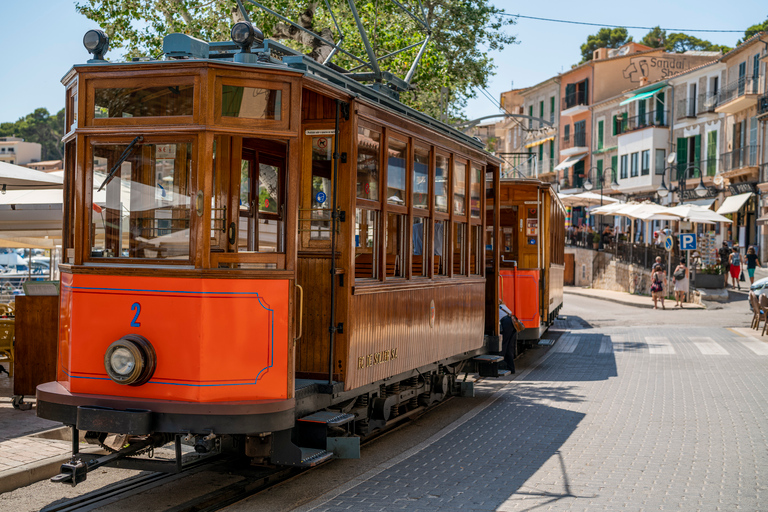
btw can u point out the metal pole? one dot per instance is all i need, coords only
(364, 36)
(334, 223)
(416, 61)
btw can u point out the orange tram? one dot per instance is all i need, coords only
(265, 256)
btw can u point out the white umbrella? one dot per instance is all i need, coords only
(698, 214)
(18, 177)
(586, 199)
(608, 209)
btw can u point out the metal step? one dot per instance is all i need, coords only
(329, 418)
(312, 457)
(489, 358)
(504, 373)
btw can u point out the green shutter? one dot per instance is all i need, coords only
(600, 172)
(599, 135)
(660, 109)
(640, 112)
(697, 150)
(552, 105)
(552, 150)
(682, 155)
(711, 152)
(530, 111)
(614, 164)
(613, 126)
(541, 109)
(541, 152)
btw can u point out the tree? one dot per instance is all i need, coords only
(605, 38)
(656, 38)
(754, 29)
(40, 127)
(679, 43)
(462, 33)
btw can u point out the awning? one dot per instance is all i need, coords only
(707, 203)
(569, 162)
(734, 203)
(539, 142)
(642, 95)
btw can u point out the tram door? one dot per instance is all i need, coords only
(509, 235)
(261, 223)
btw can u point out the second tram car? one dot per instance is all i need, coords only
(266, 256)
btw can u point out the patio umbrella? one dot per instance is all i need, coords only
(18, 177)
(608, 209)
(586, 199)
(698, 214)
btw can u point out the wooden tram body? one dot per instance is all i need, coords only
(530, 235)
(200, 231)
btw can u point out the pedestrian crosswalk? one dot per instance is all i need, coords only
(675, 344)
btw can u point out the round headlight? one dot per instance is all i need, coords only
(243, 33)
(130, 360)
(96, 42)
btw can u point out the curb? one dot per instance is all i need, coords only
(618, 301)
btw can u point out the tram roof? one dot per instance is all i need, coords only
(185, 48)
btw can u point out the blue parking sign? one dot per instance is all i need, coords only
(669, 243)
(688, 242)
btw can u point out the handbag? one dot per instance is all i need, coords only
(517, 323)
(679, 275)
(741, 277)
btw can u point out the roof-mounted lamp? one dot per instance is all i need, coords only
(244, 35)
(96, 41)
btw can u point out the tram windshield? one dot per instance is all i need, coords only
(143, 211)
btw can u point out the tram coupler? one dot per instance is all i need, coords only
(78, 467)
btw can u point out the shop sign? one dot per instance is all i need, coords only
(690, 194)
(742, 188)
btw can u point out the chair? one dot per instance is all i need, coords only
(6, 310)
(755, 307)
(763, 308)
(7, 332)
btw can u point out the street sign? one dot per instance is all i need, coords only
(688, 241)
(669, 243)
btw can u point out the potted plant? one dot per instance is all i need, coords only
(596, 240)
(709, 276)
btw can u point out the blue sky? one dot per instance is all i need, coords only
(33, 63)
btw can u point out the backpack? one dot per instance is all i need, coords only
(679, 275)
(735, 260)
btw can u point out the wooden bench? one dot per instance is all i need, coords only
(364, 265)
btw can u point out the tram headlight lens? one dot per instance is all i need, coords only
(243, 34)
(131, 360)
(96, 42)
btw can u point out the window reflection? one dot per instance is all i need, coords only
(251, 102)
(143, 211)
(420, 262)
(368, 146)
(143, 101)
(397, 153)
(441, 184)
(421, 178)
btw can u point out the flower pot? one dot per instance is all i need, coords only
(712, 281)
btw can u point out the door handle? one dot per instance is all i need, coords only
(301, 313)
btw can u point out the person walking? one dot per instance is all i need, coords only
(735, 260)
(657, 286)
(681, 283)
(752, 264)
(725, 258)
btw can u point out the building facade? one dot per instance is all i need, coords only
(14, 150)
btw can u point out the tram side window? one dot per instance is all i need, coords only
(421, 178)
(420, 262)
(321, 188)
(475, 250)
(251, 102)
(459, 188)
(397, 229)
(441, 248)
(441, 184)
(366, 244)
(144, 101)
(475, 189)
(143, 207)
(459, 248)
(397, 152)
(261, 226)
(368, 163)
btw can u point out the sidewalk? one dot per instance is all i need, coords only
(31, 448)
(627, 299)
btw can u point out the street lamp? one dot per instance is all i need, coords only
(600, 178)
(663, 191)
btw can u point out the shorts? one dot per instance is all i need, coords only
(751, 271)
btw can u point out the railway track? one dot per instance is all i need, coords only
(252, 480)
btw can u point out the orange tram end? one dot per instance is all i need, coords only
(265, 256)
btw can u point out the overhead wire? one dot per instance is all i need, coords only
(609, 25)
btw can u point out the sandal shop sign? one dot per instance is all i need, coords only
(743, 187)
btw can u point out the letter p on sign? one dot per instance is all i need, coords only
(688, 242)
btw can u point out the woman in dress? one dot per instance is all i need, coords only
(735, 259)
(681, 283)
(657, 286)
(752, 264)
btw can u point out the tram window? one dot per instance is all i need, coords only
(420, 262)
(368, 151)
(475, 250)
(459, 248)
(441, 184)
(421, 178)
(149, 101)
(251, 102)
(71, 116)
(68, 232)
(475, 189)
(395, 244)
(441, 248)
(366, 244)
(459, 188)
(321, 188)
(143, 211)
(261, 227)
(397, 153)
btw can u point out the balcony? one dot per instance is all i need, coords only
(708, 167)
(575, 103)
(738, 95)
(762, 105)
(686, 108)
(655, 118)
(739, 161)
(574, 144)
(708, 103)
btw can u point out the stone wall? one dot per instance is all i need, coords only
(615, 276)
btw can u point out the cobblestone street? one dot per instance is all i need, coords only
(612, 418)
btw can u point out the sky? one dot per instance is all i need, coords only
(43, 39)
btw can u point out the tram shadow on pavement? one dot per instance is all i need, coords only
(580, 356)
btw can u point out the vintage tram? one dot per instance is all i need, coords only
(264, 255)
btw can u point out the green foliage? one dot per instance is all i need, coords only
(679, 42)
(605, 38)
(754, 29)
(655, 38)
(41, 127)
(462, 33)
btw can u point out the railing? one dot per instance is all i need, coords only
(574, 99)
(708, 167)
(658, 118)
(745, 85)
(762, 104)
(745, 156)
(686, 108)
(708, 102)
(575, 140)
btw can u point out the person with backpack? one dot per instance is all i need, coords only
(657, 286)
(735, 260)
(681, 283)
(752, 263)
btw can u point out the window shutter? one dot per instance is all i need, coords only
(600, 135)
(600, 172)
(586, 91)
(660, 109)
(613, 126)
(682, 155)
(711, 152)
(697, 150)
(614, 164)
